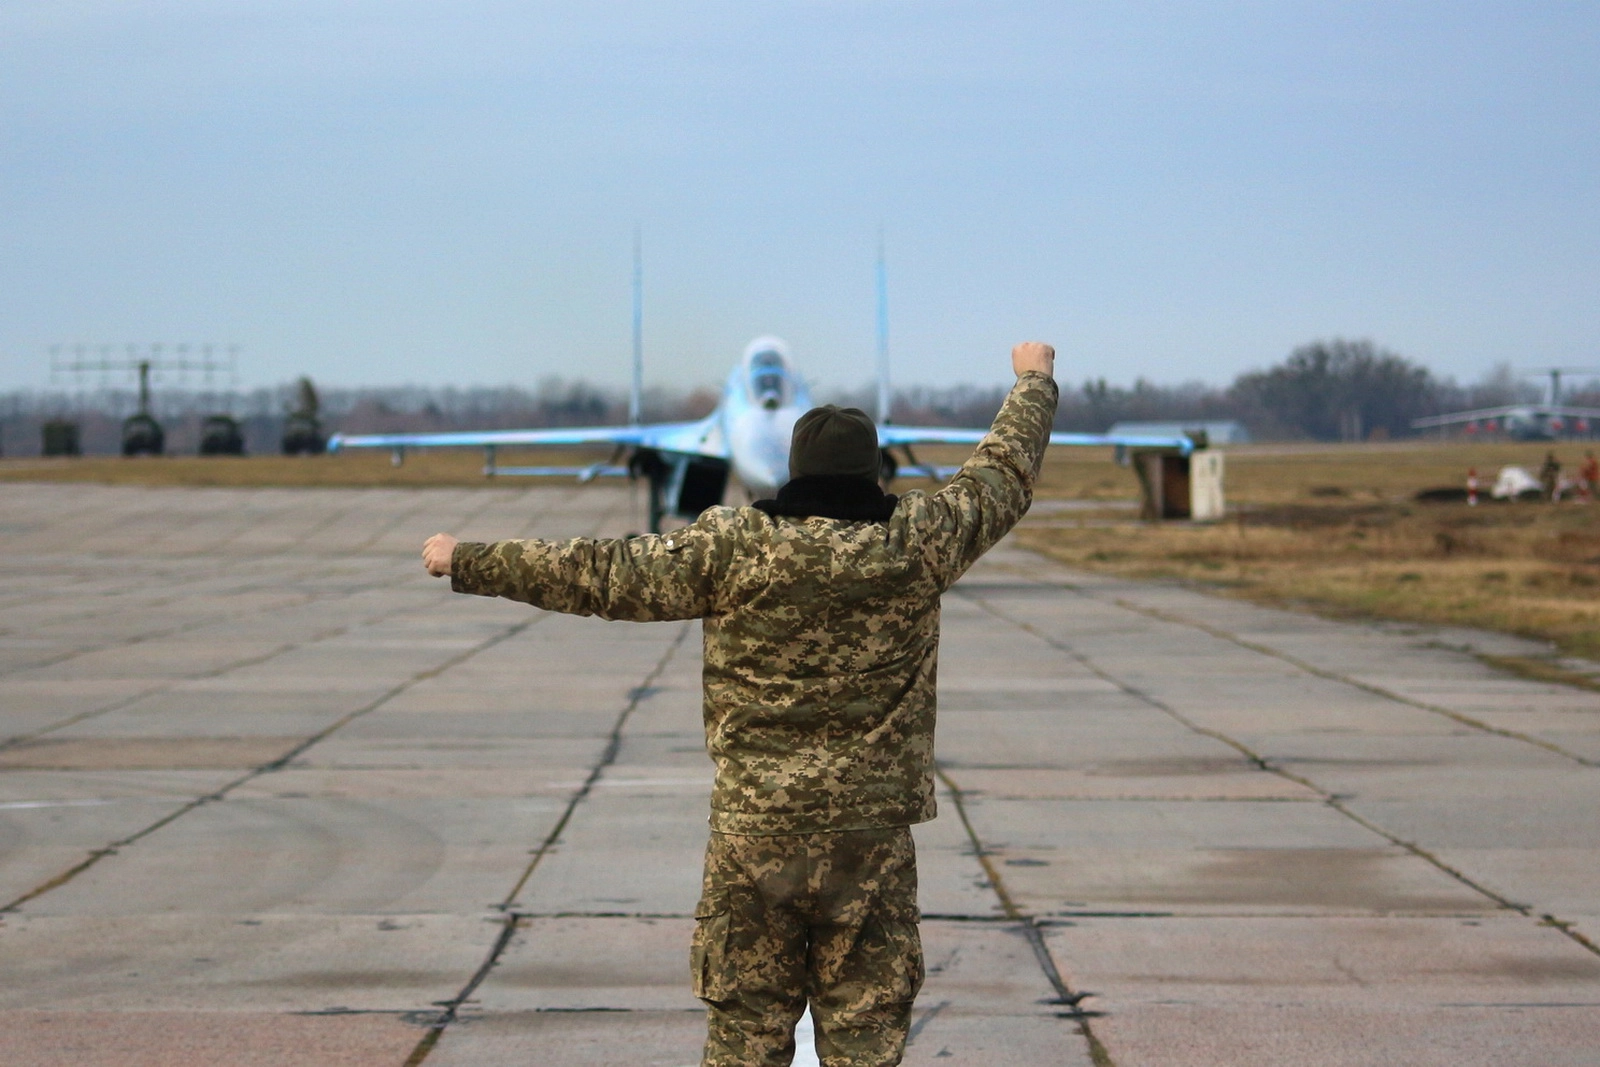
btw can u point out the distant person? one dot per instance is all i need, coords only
(1550, 477)
(1589, 476)
(821, 635)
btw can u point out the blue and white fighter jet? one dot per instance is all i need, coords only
(687, 464)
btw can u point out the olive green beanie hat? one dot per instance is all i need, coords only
(834, 441)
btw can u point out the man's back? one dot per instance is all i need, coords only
(819, 672)
(821, 634)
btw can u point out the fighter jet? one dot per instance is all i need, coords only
(687, 464)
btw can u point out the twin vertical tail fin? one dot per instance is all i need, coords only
(882, 414)
(636, 389)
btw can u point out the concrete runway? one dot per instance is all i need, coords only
(270, 796)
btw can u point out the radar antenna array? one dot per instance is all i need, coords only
(141, 433)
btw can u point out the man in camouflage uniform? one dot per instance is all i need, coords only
(821, 631)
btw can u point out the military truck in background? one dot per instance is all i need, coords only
(220, 435)
(302, 429)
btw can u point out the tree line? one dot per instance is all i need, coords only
(1335, 390)
(1326, 391)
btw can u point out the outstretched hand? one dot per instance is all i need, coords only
(436, 553)
(1033, 355)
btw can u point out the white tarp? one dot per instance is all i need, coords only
(1513, 482)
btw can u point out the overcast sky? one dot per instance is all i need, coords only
(392, 191)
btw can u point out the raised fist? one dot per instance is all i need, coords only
(1033, 355)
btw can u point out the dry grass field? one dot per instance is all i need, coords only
(1332, 528)
(1335, 528)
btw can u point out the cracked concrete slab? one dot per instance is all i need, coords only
(1542, 816)
(950, 880)
(1165, 778)
(270, 717)
(634, 852)
(573, 1039)
(320, 855)
(196, 960)
(203, 1039)
(1064, 737)
(1343, 991)
(415, 783)
(1233, 881)
(987, 968)
(57, 753)
(41, 839)
(590, 963)
(1067, 825)
(460, 724)
(25, 787)
(950, 1036)
(1221, 913)
(1270, 1034)
(1585, 745)
(1558, 880)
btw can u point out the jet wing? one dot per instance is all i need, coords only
(703, 438)
(1477, 415)
(890, 436)
(1484, 414)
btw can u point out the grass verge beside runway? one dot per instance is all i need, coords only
(1336, 529)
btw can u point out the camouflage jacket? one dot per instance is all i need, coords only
(821, 636)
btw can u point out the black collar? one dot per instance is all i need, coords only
(847, 498)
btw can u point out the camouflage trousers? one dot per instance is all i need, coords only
(829, 919)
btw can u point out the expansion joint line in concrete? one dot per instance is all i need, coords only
(308, 534)
(1332, 800)
(1310, 668)
(511, 920)
(97, 855)
(607, 757)
(200, 624)
(174, 596)
(1345, 679)
(139, 639)
(271, 583)
(279, 763)
(402, 516)
(1029, 926)
(215, 672)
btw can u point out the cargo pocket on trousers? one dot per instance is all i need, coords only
(708, 957)
(900, 969)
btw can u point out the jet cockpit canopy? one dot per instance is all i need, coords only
(768, 373)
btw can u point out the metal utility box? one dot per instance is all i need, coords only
(1205, 486)
(1175, 486)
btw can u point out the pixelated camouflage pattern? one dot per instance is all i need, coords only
(821, 636)
(827, 918)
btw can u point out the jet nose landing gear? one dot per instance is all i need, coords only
(681, 485)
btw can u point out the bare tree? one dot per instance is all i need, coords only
(1340, 391)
